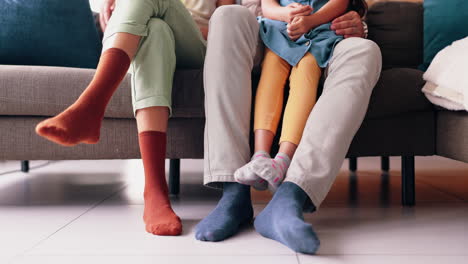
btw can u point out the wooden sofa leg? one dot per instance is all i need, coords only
(25, 166)
(174, 176)
(385, 163)
(407, 181)
(353, 164)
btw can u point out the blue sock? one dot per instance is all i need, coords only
(282, 220)
(233, 210)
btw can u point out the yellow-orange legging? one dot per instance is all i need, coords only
(303, 84)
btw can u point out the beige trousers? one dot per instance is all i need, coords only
(234, 49)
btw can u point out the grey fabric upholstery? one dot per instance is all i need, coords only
(397, 92)
(452, 135)
(119, 140)
(409, 134)
(39, 91)
(46, 91)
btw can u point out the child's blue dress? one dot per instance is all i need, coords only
(320, 41)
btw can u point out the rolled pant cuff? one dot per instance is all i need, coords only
(139, 30)
(292, 140)
(216, 181)
(299, 181)
(152, 101)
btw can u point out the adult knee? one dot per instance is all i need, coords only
(230, 14)
(158, 46)
(366, 48)
(363, 51)
(159, 29)
(371, 49)
(228, 18)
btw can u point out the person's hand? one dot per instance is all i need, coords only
(107, 8)
(204, 31)
(298, 27)
(348, 25)
(295, 9)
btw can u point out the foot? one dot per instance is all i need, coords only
(244, 175)
(233, 210)
(272, 171)
(73, 126)
(81, 122)
(160, 219)
(282, 220)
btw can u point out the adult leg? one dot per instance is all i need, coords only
(81, 122)
(352, 73)
(173, 38)
(233, 39)
(152, 74)
(169, 37)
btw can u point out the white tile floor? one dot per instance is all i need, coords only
(90, 212)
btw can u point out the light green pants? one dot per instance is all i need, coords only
(170, 39)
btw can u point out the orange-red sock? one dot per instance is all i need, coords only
(159, 217)
(81, 122)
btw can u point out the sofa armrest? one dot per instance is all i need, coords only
(397, 27)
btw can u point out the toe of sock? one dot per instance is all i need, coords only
(212, 235)
(53, 133)
(39, 128)
(44, 130)
(198, 236)
(244, 176)
(164, 229)
(167, 231)
(302, 240)
(296, 235)
(308, 246)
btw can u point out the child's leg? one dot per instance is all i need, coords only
(81, 122)
(268, 108)
(269, 99)
(303, 83)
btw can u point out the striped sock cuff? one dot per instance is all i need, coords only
(284, 158)
(260, 154)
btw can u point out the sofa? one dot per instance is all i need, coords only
(400, 120)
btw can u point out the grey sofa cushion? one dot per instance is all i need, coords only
(46, 91)
(397, 92)
(119, 140)
(397, 27)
